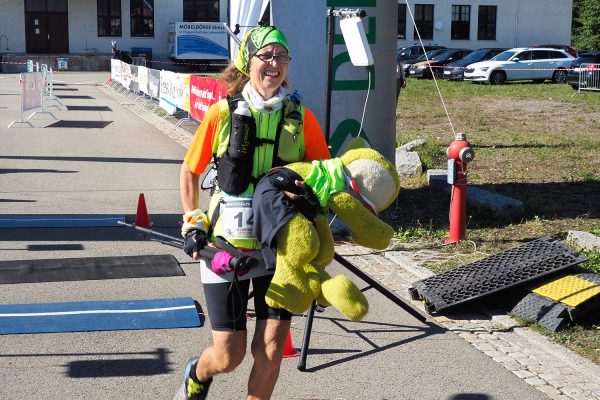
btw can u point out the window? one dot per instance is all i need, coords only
(486, 24)
(424, 20)
(201, 10)
(461, 22)
(556, 54)
(540, 55)
(109, 17)
(401, 21)
(142, 18)
(524, 56)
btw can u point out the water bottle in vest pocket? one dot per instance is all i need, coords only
(235, 167)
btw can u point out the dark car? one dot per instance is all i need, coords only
(456, 69)
(589, 75)
(564, 47)
(437, 63)
(427, 56)
(413, 52)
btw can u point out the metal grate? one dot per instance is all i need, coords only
(499, 271)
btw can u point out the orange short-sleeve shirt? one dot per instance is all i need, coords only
(199, 154)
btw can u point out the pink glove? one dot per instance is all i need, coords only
(220, 263)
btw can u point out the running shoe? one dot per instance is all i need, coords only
(189, 389)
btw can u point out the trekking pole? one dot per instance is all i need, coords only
(239, 258)
(372, 284)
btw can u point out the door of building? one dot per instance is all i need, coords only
(46, 26)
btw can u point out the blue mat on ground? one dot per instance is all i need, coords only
(60, 220)
(179, 312)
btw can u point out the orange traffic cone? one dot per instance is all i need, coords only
(289, 350)
(141, 216)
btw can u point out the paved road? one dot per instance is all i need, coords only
(73, 171)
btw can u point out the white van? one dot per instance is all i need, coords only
(537, 64)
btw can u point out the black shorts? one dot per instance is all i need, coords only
(227, 304)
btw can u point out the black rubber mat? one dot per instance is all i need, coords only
(548, 313)
(63, 123)
(66, 90)
(506, 269)
(88, 108)
(68, 96)
(92, 268)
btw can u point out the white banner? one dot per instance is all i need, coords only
(115, 70)
(143, 79)
(168, 91)
(308, 70)
(126, 75)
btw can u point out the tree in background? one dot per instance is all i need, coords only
(586, 25)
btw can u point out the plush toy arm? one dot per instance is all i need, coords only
(367, 229)
(326, 244)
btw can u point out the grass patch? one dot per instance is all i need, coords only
(537, 143)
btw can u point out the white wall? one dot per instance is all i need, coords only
(519, 23)
(83, 28)
(11, 12)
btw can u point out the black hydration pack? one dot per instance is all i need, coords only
(234, 168)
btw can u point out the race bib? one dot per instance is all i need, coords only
(236, 217)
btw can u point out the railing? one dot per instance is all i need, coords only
(589, 77)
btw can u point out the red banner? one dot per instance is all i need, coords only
(203, 93)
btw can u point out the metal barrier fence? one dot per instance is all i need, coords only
(589, 77)
(30, 95)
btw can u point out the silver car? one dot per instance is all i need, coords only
(537, 64)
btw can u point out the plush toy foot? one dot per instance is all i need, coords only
(342, 294)
(293, 289)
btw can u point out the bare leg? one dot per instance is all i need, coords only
(267, 349)
(225, 354)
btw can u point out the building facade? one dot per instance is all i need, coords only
(90, 26)
(484, 23)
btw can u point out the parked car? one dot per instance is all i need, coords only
(564, 47)
(522, 64)
(427, 56)
(456, 69)
(591, 73)
(437, 63)
(413, 52)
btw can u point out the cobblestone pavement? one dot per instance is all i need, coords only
(551, 368)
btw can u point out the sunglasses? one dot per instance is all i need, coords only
(268, 57)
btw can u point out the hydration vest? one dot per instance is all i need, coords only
(278, 140)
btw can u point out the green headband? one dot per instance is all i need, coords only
(254, 40)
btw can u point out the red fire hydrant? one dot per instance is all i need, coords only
(460, 153)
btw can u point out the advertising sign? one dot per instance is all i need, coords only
(168, 91)
(183, 91)
(350, 84)
(154, 83)
(203, 93)
(201, 41)
(143, 79)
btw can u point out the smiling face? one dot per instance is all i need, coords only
(266, 77)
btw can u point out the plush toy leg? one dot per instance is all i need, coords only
(296, 283)
(293, 288)
(343, 294)
(326, 244)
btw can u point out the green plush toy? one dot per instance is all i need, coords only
(354, 187)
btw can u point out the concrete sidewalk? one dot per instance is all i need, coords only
(389, 355)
